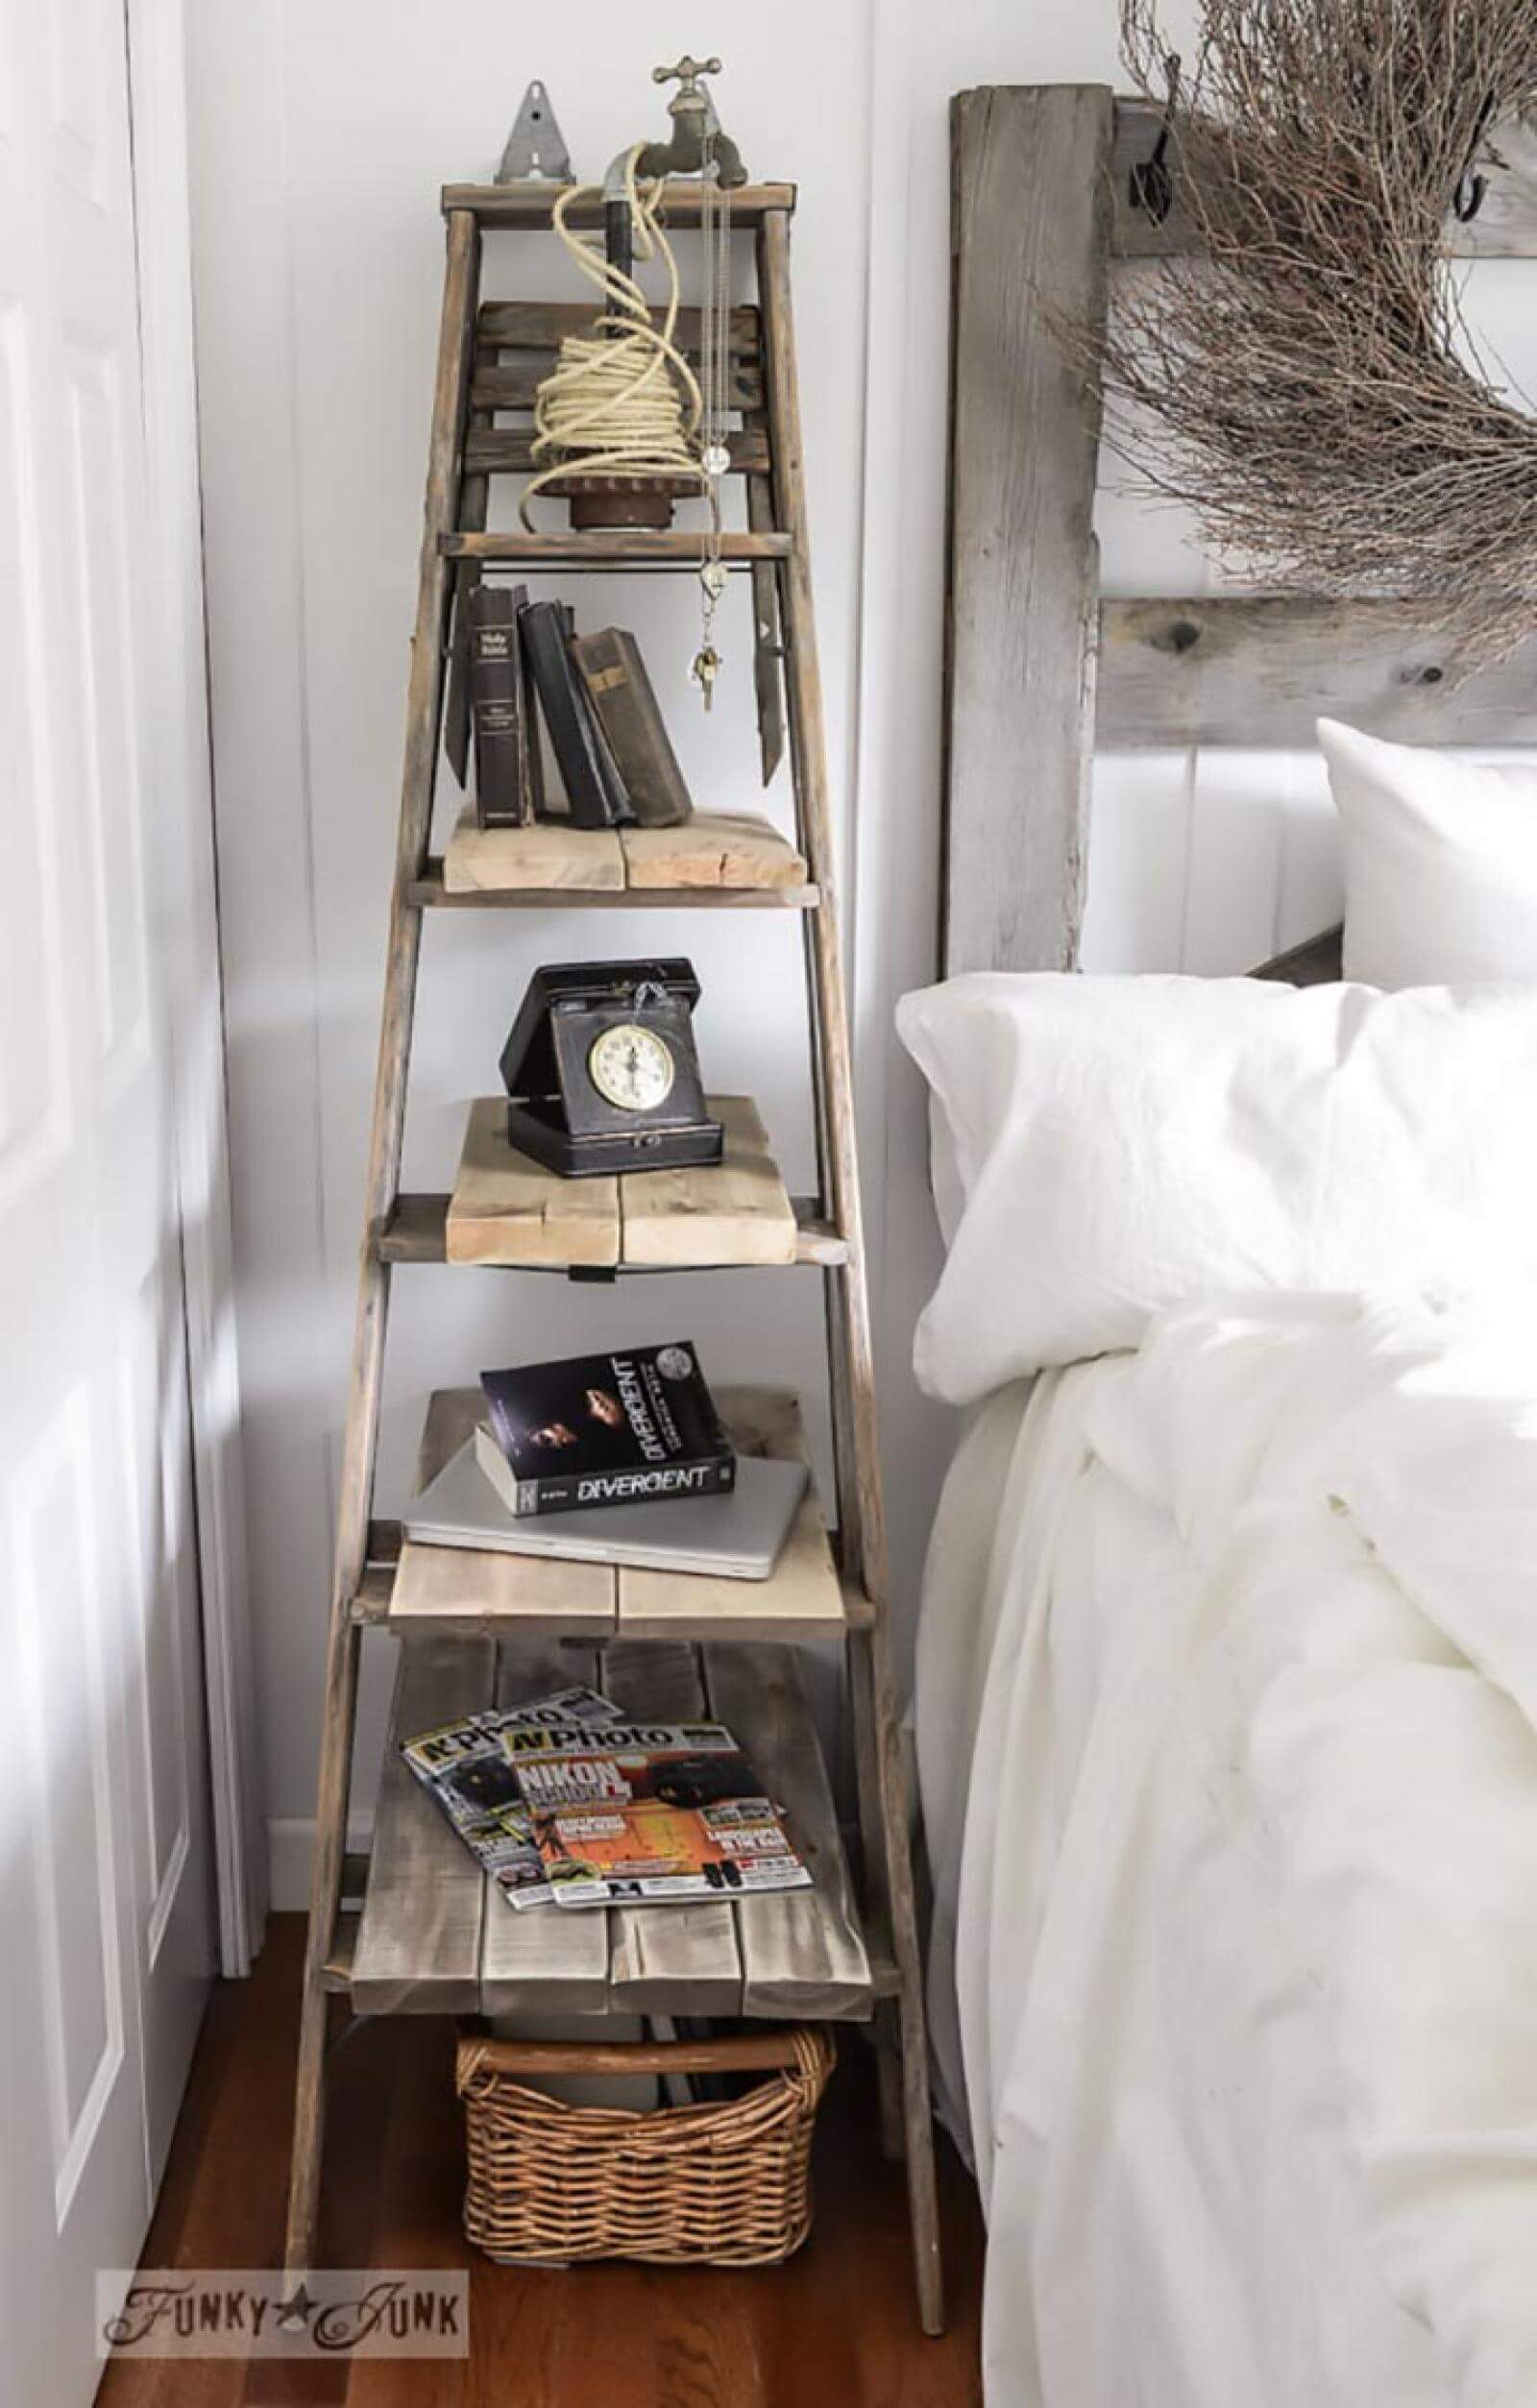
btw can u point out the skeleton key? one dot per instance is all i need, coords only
(706, 669)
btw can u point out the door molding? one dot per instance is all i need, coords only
(155, 32)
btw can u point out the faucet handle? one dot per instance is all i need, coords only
(687, 72)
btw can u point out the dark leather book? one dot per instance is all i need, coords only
(499, 709)
(625, 702)
(456, 693)
(594, 789)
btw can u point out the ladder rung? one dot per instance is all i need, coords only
(415, 1231)
(504, 384)
(385, 1539)
(428, 892)
(533, 203)
(505, 450)
(337, 1974)
(543, 325)
(638, 547)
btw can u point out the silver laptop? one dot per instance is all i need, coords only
(736, 1536)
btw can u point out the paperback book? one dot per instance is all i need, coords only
(465, 1769)
(648, 1813)
(604, 1429)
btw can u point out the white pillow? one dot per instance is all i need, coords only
(1440, 863)
(1108, 1147)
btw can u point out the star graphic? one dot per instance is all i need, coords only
(294, 2314)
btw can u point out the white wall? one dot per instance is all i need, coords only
(322, 135)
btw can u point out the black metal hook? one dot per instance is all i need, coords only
(1150, 185)
(1467, 197)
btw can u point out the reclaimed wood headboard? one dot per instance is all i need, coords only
(1037, 665)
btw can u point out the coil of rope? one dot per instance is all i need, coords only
(622, 399)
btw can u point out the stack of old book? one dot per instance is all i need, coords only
(520, 666)
(612, 1458)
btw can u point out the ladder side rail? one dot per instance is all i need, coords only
(424, 711)
(860, 1520)
(873, 1697)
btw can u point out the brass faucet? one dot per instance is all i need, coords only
(694, 120)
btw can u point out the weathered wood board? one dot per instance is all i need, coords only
(440, 1590)
(449, 1589)
(543, 325)
(736, 1212)
(729, 852)
(803, 1592)
(1505, 227)
(718, 848)
(545, 858)
(508, 1211)
(509, 451)
(1031, 201)
(641, 547)
(461, 1588)
(531, 202)
(436, 1937)
(418, 1946)
(1258, 670)
(506, 1208)
(679, 1960)
(802, 1953)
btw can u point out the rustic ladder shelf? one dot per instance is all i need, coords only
(410, 1928)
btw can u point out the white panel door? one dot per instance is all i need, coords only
(105, 1909)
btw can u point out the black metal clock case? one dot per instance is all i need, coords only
(556, 1114)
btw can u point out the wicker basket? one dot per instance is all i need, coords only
(719, 2184)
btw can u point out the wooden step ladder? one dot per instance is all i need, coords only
(410, 1929)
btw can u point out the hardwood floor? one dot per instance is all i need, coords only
(836, 2326)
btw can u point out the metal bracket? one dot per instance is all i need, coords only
(536, 147)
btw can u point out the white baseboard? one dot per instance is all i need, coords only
(290, 1846)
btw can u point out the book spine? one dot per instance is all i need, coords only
(570, 1492)
(495, 706)
(456, 697)
(627, 710)
(591, 787)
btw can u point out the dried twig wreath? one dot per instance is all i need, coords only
(1305, 381)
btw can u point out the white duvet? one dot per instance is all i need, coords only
(1228, 1732)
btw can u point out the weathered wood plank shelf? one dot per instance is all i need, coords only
(436, 1937)
(463, 1591)
(712, 856)
(509, 1212)
(430, 893)
(416, 1231)
(530, 206)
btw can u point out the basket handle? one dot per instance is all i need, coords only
(746, 2052)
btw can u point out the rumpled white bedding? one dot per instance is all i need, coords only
(1228, 1738)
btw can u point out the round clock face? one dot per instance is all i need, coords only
(632, 1068)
